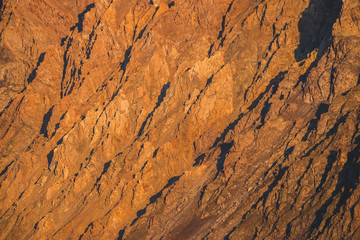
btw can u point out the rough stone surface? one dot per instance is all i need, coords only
(231, 119)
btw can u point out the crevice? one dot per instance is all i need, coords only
(210, 50)
(155, 197)
(123, 64)
(227, 236)
(87, 228)
(32, 75)
(141, 33)
(7, 106)
(277, 178)
(331, 132)
(323, 108)
(273, 83)
(223, 23)
(225, 149)
(230, 127)
(348, 180)
(66, 62)
(79, 25)
(45, 123)
(105, 169)
(263, 113)
(50, 157)
(172, 4)
(331, 160)
(150, 115)
(315, 27)
(6, 169)
(199, 160)
(7, 23)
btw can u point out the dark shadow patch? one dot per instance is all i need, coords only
(155, 197)
(63, 40)
(105, 169)
(199, 160)
(91, 41)
(323, 108)
(121, 234)
(280, 174)
(172, 4)
(156, 9)
(227, 236)
(225, 149)
(210, 50)
(50, 158)
(230, 127)
(45, 123)
(331, 132)
(277, 178)
(273, 83)
(37, 223)
(335, 128)
(63, 116)
(150, 115)
(345, 93)
(202, 194)
(79, 25)
(303, 77)
(223, 23)
(209, 81)
(60, 141)
(6, 169)
(57, 125)
(32, 75)
(7, 106)
(87, 228)
(126, 61)
(262, 19)
(315, 27)
(288, 151)
(348, 180)
(264, 112)
(325, 175)
(155, 153)
(141, 33)
(270, 168)
(64, 84)
(222, 41)
(331, 159)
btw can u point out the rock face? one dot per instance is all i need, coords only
(232, 119)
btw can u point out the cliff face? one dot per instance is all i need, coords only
(179, 119)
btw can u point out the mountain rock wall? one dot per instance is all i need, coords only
(179, 119)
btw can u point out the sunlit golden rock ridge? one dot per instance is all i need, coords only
(207, 119)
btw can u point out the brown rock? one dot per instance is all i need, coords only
(179, 119)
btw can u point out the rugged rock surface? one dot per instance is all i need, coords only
(234, 119)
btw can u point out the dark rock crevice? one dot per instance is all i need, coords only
(46, 120)
(148, 119)
(315, 27)
(32, 75)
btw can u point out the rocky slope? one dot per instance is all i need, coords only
(234, 119)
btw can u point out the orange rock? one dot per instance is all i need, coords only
(179, 119)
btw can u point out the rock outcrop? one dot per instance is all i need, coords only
(234, 119)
